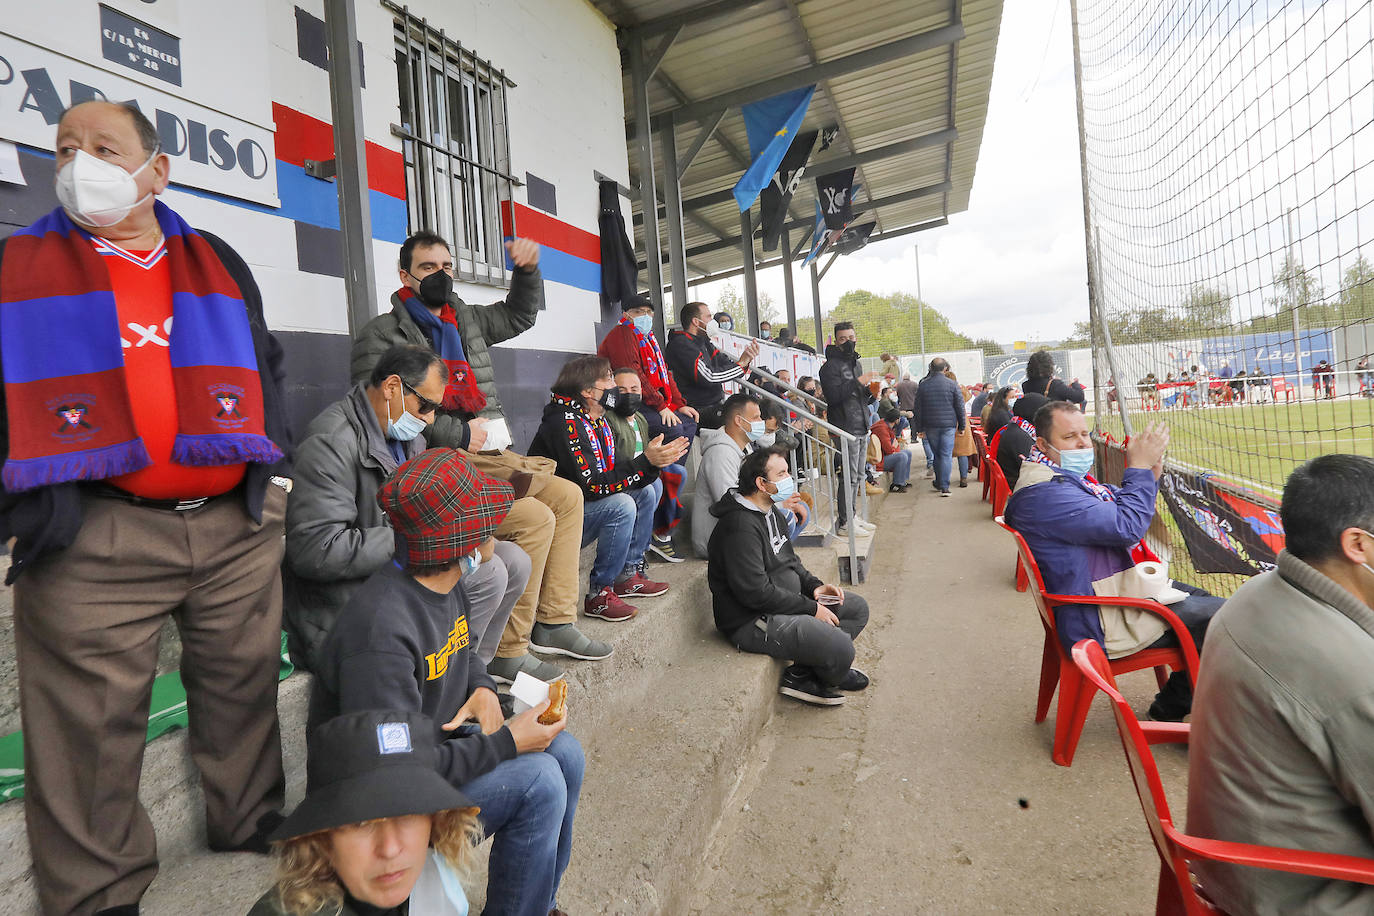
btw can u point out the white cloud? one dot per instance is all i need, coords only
(1012, 266)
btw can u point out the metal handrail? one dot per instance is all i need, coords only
(788, 385)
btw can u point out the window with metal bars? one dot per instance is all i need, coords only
(456, 143)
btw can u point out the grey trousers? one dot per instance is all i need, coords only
(847, 497)
(802, 638)
(492, 592)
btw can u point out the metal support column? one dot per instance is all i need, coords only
(350, 159)
(648, 199)
(816, 308)
(751, 285)
(677, 242)
(789, 293)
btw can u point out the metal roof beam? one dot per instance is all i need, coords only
(697, 14)
(707, 130)
(841, 66)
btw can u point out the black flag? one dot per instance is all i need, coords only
(774, 199)
(834, 192)
(854, 238)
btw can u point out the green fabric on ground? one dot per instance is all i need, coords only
(166, 712)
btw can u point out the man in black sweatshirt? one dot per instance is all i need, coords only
(765, 600)
(403, 642)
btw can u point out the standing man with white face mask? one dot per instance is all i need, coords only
(144, 478)
(1083, 533)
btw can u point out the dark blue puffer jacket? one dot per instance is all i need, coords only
(939, 404)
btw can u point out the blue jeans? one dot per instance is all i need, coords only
(899, 463)
(613, 522)
(941, 445)
(930, 456)
(646, 505)
(963, 467)
(528, 803)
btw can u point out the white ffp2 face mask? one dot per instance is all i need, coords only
(98, 193)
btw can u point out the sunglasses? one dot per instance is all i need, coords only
(426, 405)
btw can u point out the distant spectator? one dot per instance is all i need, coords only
(376, 819)
(1225, 372)
(336, 534)
(1237, 385)
(1362, 367)
(1324, 380)
(700, 369)
(1018, 436)
(1082, 533)
(964, 446)
(632, 433)
(764, 600)
(788, 338)
(724, 321)
(980, 400)
(847, 397)
(1280, 752)
(895, 459)
(998, 411)
(784, 376)
(631, 344)
(765, 331)
(618, 510)
(939, 418)
(1040, 379)
(890, 369)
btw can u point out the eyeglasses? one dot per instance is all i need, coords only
(426, 405)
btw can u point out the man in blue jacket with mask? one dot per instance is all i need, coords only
(1081, 533)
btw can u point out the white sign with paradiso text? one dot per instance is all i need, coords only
(209, 150)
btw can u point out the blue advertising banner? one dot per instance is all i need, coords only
(1010, 369)
(1272, 352)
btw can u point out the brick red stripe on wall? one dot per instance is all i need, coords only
(301, 137)
(553, 232)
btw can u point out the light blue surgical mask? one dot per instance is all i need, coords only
(644, 323)
(727, 325)
(472, 561)
(404, 429)
(786, 488)
(1076, 461)
(755, 430)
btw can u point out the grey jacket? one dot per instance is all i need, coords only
(1282, 752)
(480, 326)
(336, 534)
(721, 457)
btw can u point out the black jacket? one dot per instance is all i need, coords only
(563, 437)
(47, 519)
(752, 569)
(846, 399)
(1054, 389)
(1014, 445)
(699, 369)
(939, 404)
(996, 420)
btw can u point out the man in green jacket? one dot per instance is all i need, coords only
(547, 521)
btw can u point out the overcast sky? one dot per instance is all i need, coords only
(1012, 266)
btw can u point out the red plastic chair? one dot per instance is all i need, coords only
(991, 449)
(1058, 670)
(1177, 894)
(980, 442)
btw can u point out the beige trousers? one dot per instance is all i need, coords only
(548, 527)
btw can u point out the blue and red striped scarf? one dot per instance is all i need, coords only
(651, 364)
(66, 393)
(461, 392)
(598, 431)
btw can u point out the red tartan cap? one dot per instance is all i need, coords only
(442, 506)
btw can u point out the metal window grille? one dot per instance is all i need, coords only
(456, 143)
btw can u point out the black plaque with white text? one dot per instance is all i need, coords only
(139, 46)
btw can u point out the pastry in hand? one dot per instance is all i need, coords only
(558, 703)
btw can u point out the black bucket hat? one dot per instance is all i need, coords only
(369, 765)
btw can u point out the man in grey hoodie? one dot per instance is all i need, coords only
(722, 450)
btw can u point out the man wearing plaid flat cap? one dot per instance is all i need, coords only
(402, 642)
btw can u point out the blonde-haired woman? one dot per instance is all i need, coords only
(964, 445)
(379, 828)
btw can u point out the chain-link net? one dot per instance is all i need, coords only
(1230, 175)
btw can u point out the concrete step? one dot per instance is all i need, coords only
(667, 722)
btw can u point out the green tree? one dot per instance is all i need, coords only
(1297, 290)
(989, 346)
(892, 324)
(731, 302)
(1357, 292)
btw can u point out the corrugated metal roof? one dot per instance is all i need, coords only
(725, 46)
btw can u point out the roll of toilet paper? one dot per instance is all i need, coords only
(1148, 580)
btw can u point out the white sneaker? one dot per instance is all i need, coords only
(861, 525)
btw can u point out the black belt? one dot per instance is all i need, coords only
(167, 505)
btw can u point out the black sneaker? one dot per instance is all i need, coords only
(664, 550)
(854, 680)
(801, 684)
(944, 492)
(963, 481)
(1161, 713)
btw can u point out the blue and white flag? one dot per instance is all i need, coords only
(772, 124)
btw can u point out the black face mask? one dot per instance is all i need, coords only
(850, 349)
(609, 398)
(627, 403)
(435, 289)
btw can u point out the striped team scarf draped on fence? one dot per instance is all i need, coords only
(66, 392)
(1101, 491)
(651, 362)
